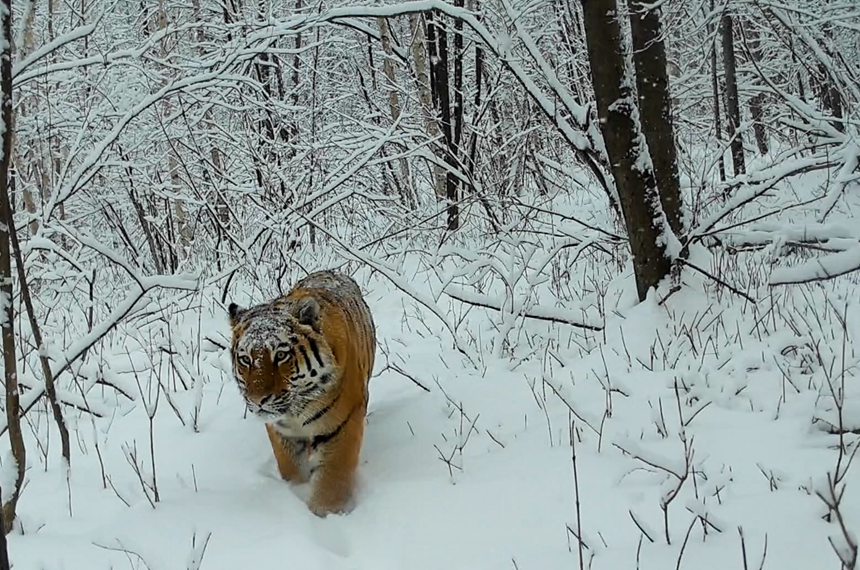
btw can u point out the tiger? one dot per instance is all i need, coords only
(303, 363)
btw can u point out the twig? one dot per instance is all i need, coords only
(576, 489)
(487, 304)
(763, 554)
(640, 527)
(684, 544)
(124, 550)
(848, 552)
(398, 370)
(195, 558)
(719, 281)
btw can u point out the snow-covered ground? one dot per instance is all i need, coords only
(708, 403)
(703, 422)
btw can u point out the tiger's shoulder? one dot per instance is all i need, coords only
(335, 283)
(336, 290)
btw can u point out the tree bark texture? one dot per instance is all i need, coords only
(4, 552)
(756, 103)
(618, 113)
(655, 108)
(829, 95)
(50, 386)
(733, 108)
(7, 321)
(715, 87)
(405, 186)
(437, 43)
(479, 79)
(422, 78)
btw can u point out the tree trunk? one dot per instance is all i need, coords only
(479, 73)
(422, 79)
(612, 77)
(458, 110)
(437, 43)
(183, 227)
(828, 94)
(655, 105)
(405, 186)
(27, 299)
(293, 128)
(23, 46)
(7, 320)
(4, 552)
(216, 158)
(715, 87)
(756, 102)
(733, 108)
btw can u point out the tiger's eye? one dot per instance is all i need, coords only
(245, 361)
(281, 356)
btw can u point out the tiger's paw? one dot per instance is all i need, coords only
(324, 507)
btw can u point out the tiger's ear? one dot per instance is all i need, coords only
(307, 312)
(234, 311)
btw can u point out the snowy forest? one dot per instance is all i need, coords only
(611, 249)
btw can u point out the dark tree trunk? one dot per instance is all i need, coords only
(828, 94)
(718, 123)
(612, 77)
(479, 73)
(271, 128)
(759, 130)
(828, 89)
(715, 87)
(753, 41)
(437, 44)
(733, 108)
(458, 80)
(4, 553)
(7, 320)
(655, 108)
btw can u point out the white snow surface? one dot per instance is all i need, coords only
(477, 473)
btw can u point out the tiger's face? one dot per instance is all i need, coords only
(281, 361)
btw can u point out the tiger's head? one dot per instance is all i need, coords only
(281, 359)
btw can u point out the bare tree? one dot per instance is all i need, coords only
(752, 39)
(652, 84)
(406, 191)
(4, 552)
(10, 365)
(733, 107)
(437, 46)
(612, 76)
(715, 90)
(422, 80)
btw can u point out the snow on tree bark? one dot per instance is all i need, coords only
(652, 242)
(756, 102)
(7, 317)
(437, 43)
(733, 109)
(422, 80)
(655, 107)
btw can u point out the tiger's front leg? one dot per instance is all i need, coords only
(289, 455)
(333, 478)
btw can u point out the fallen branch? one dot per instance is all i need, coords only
(718, 281)
(819, 269)
(554, 315)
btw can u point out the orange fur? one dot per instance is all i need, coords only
(323, 439)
